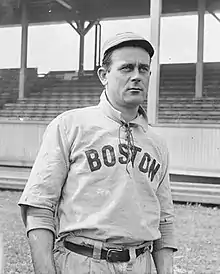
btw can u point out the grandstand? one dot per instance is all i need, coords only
(59, 91)
(52, 95)
(9, 84)
(177, 101)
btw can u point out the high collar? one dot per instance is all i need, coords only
(116, 115)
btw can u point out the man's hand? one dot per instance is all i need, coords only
(41, 243)
(163, 260)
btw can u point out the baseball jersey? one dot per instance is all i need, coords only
(105, 178)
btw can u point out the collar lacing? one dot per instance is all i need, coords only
(139, 121)
(130, 141)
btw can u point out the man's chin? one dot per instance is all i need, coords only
(135, 101)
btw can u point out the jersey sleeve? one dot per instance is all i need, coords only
(164, 196)
(49, 171)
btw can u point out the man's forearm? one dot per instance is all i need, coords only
(41, 243)
(163, 260)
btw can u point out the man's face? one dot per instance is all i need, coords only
(128, 78)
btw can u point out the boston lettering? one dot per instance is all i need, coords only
(147, 164)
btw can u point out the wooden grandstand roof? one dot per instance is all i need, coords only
(45, 11)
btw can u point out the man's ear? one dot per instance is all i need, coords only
(102, 74)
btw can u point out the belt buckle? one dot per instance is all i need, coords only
(112, 252)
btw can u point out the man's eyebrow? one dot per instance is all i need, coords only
(134, 64)
(144, 65)
(127, 63)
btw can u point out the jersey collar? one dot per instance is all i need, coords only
(116, 115)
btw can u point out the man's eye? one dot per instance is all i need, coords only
(127, 68)
(144, 69)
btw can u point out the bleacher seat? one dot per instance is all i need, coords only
(59, 91)
(9, 82)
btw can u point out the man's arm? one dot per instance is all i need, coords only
(163, 249)
(41, 231)
(41, 195)
(163, 260)
(165, 246)
(41, 243)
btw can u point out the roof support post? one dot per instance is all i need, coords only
(97, 52)
(81, 46)
(200, 48)
(154, 85)
(100, 40)
(95, 48)
(82, 31)
(24, 44)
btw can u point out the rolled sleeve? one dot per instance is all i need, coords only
(167, 239)
(164, 196)
(40, 218)
(49, 171)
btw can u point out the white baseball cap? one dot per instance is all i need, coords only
(127, 39)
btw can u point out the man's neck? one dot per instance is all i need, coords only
(129, 114)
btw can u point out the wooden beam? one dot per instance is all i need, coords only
(64, 4)
(90, 25)
(200, 48)
(82, 31)
(95, 46)
(154, 85)
(75, 28)
(24, 44)
(80, 26)
(214, 15)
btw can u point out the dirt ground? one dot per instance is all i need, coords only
(197, 231)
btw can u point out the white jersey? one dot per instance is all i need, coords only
(109, 179)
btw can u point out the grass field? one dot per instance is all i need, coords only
(198, 238)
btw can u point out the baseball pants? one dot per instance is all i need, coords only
(68, 262)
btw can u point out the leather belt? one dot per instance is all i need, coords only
(111, 255)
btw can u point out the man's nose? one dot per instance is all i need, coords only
(136, 77)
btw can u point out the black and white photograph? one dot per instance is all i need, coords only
(109, 137)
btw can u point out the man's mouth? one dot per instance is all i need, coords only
(136, 89)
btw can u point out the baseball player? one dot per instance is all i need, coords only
(100, 183)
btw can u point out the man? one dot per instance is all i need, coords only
(104, 175)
